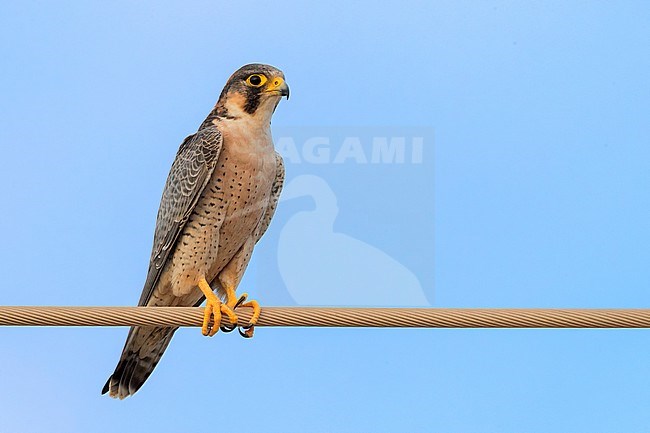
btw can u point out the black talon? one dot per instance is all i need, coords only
(245, 333)
(227, 329)
(240, 301)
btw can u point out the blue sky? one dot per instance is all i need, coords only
(532, 192)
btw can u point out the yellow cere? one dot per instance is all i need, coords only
(277, 82)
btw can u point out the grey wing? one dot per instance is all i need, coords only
(188, 177)
(273, 200)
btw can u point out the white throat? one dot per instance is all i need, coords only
(260, 118)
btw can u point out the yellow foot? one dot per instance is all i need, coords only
(248, 330)
(213, 311)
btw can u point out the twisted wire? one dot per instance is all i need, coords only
(332, 317)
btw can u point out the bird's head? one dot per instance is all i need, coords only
(253, 90)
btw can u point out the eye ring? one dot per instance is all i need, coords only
(256, 80)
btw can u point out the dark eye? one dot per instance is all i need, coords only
(256, 80)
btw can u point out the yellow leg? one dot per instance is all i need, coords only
(213, 310)
(231, 296)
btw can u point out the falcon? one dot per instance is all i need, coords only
(219, 198)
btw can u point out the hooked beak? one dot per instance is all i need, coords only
(278, 86)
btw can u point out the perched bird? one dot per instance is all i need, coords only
(218, 201)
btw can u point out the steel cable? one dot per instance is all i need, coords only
(332, 317)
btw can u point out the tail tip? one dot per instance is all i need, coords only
(107, 386)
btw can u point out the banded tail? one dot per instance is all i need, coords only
(143, 349)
